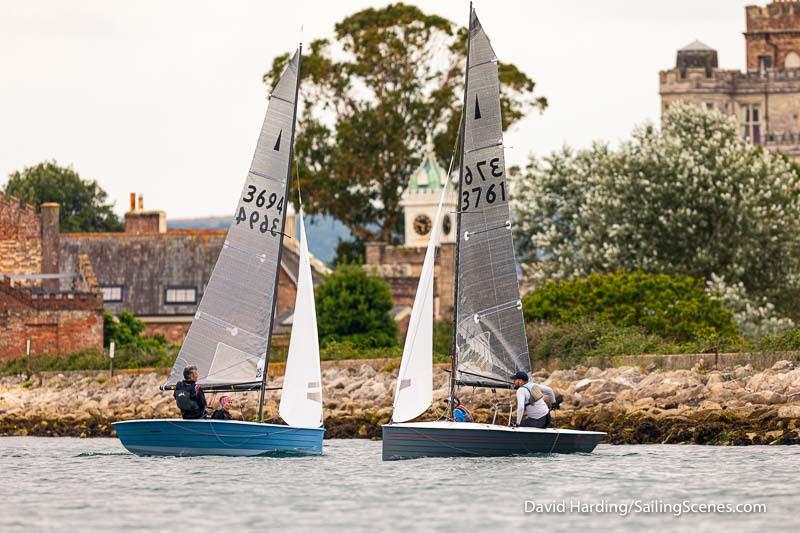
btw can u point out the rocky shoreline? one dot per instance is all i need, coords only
(733, 406)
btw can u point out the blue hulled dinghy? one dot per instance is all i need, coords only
(229, 338)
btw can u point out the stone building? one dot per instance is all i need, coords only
(54, 286)
(766, 98)
(160, 275)
(401, 265)
(43, 308)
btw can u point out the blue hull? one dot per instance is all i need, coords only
(179, 437)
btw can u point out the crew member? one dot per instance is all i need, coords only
(531, 402)
(189, 396)
(461, 413)
(223, 412)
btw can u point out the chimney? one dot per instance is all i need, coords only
(139, 222)
(50, 242)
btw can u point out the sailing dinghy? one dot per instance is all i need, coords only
(489, 329)
(229, 338)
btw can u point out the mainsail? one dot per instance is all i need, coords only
(490, 330)
(228, 337)
(301, 396)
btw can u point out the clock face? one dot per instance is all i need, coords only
(422, 225)
(446, 225)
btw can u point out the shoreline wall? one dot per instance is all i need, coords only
(737, 405)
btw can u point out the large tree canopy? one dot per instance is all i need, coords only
(371, 96)
(689, 199)
(84, 205)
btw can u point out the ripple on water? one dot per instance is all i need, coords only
(95, 485)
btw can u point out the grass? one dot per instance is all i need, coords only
(124, 357)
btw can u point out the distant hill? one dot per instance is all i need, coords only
(324, 232)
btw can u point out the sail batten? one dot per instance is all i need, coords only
(490, 330)
(228, 338)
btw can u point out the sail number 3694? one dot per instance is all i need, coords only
(472, 197)
(264, 222)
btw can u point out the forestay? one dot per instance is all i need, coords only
(414, 389)
(490, 335)
(227, 339)
(301, 397)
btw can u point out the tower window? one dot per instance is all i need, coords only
(764, 62)
(751, 123)
(792, 60)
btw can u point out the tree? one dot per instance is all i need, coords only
(354, 305)
(350, 252)
(83, 203)
(673, 307)
(371, 96)
(691, 199)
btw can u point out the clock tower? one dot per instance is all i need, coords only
(421, 199)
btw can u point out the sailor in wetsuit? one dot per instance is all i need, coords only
(531, 402)
(189, 396)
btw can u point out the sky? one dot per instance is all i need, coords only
(165, 99)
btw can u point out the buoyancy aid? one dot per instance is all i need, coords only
(188, 401)
(467, 414)
(535, 393)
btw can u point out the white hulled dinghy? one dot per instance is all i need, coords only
(489, 329)
(229, 338)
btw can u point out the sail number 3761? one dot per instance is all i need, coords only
(474, 196)
(264, 222)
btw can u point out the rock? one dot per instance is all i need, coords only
(789, 411)
(782, 366)
(742, 371)
(585, 384)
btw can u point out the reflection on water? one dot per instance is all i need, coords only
(94, 485)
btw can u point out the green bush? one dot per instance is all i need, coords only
(124, 357)
(675, 308)
(353, 305)
(126, 330)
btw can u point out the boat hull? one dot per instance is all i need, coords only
(177, 437)
(458, 439)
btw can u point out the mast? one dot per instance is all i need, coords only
(454, 357)
(283, 230)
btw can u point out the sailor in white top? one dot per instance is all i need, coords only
(531, 402)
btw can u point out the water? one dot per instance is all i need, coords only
(95, 485)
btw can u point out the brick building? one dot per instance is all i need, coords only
(43, 309)
(55, 285)
(160, 275)
(766, 98)
(401, 266)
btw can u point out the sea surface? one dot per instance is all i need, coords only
(65, 484)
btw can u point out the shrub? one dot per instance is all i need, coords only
(354, 305)
(126, 330)
(676, 308)
(125, 357)
(691, 198)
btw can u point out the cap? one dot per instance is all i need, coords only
(520, 375)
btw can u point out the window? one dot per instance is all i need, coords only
(112, 293)
(764, 62)
(180, 295)
(710, 106)
(792, 60)
(751, 123)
